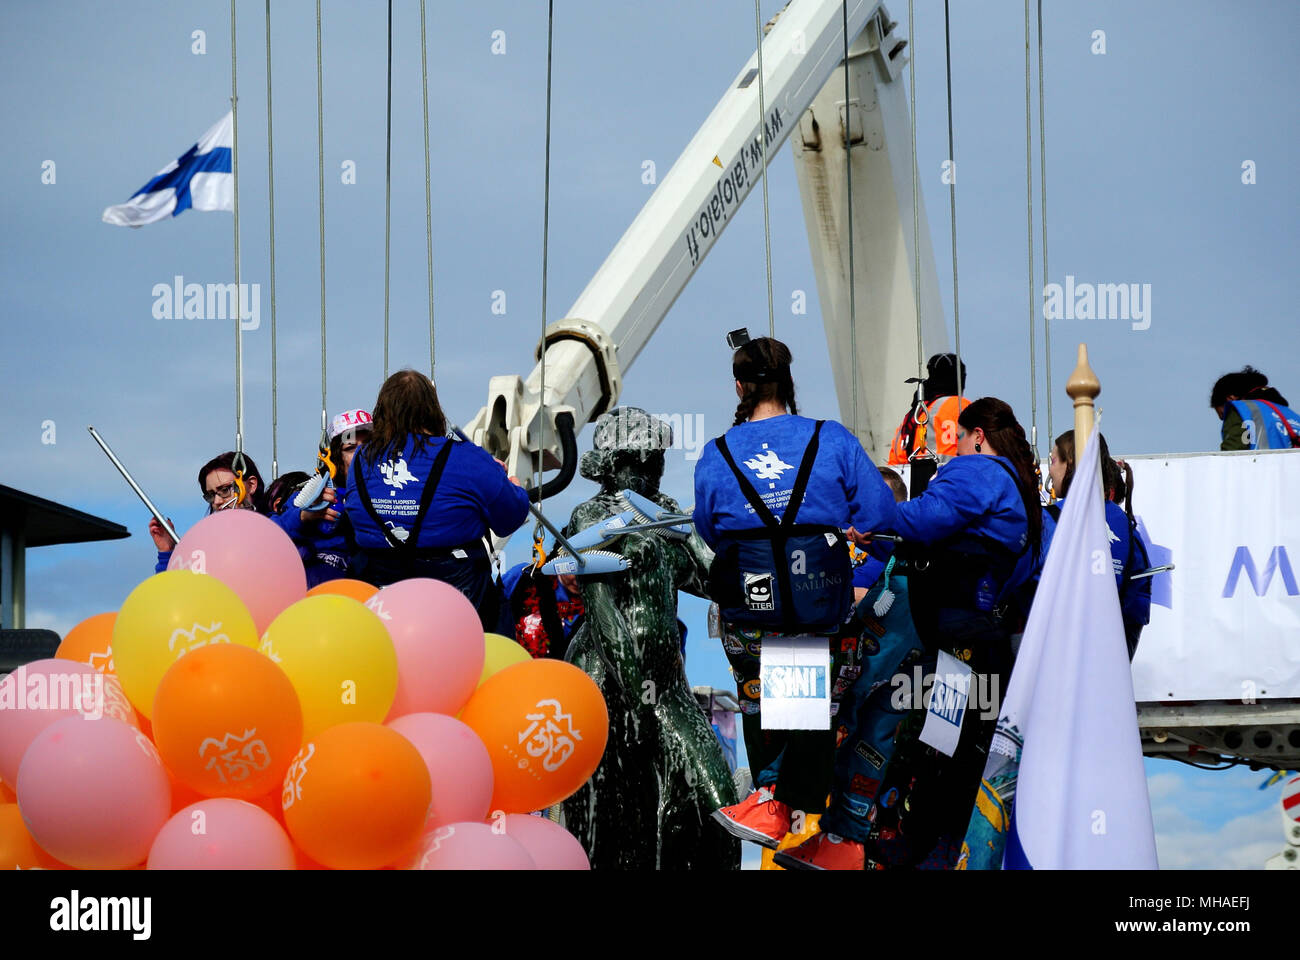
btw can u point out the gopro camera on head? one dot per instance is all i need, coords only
(738, 338)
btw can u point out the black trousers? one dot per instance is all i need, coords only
(937, 792)
(799, 762)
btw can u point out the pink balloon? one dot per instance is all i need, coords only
(549, 844)
(251, 555)
(460, 766)
(93, 795)
(471, 846)
(39, 693)
(439, 642)
(221, 833)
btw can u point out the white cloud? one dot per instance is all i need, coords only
(58, 621)
(1243, 843)
(1163, 786)
(1213, 819)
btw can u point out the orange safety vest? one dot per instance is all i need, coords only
(940, 430)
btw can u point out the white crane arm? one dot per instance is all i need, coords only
(608, 325)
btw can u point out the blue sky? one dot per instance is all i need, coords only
(1145, 146)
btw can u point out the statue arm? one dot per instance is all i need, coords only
(694, 577)
(697, 570)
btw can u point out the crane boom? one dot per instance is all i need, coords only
(601, 335)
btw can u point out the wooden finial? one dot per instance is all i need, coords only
(1083, 386)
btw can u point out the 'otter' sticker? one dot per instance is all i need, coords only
(758, 591)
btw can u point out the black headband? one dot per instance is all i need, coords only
(749, 371)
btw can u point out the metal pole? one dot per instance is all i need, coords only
(166, 524)
(556, 534)
(19, 578)
(10, 580)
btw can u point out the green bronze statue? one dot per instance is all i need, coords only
(648, 805)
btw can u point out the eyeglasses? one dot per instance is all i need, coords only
(225, 492)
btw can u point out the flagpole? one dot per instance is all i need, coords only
(1083, 387)
(239, 318)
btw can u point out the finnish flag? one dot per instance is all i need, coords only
(1081, 799)
(202, 178)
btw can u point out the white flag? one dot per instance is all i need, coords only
(1081, 798)
(201, 178)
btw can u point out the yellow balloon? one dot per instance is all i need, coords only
(500, 653)
(340, 659)
(167, 616)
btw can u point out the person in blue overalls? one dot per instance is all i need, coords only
(421, 502)
(1255, 416)
(1127, 551)
(324, 537)
(772, 498)
(965, 541)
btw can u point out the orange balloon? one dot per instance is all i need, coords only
(91, 641)
(271, 804)
(303, 862)
(545, 724)
(358, 590)
(7, 795)
(17, 848)
(227, 721)
(357, 797)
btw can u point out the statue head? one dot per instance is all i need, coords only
(628, 451)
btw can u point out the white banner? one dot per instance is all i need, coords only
(1225, 623)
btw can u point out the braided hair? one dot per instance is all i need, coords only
(762, 367)
(1004, 432)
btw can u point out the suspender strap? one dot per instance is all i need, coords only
(801, 478)
(746, 487)
(796, 494)
(1015, 480)
(430, 487)
(1295, 441)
